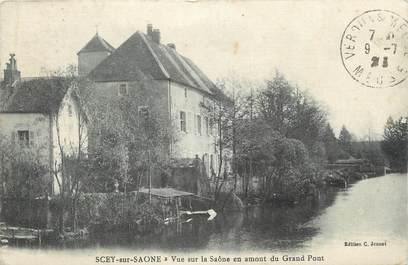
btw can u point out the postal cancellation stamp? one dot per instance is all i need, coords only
(374, 48)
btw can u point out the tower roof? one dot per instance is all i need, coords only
(97, 44)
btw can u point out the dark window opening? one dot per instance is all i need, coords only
(23, 138)
(182, 121)
(123, 90)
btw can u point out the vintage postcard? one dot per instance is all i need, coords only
(203, 132)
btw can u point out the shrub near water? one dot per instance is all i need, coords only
(114, 208)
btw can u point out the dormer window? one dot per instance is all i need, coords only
(123, 90)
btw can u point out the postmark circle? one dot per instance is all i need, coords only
(374, 48)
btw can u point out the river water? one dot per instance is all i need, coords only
(369, 211)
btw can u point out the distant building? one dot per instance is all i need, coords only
(29, 111)
(178, 89)
(354, 164)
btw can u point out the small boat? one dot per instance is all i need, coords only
(211, 213)
(4, 242)
(338, 182)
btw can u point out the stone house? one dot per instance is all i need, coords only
(40, 115)
(177, 89)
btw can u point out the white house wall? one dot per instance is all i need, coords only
(192, 143)
(38, 126)
(187, 144)
(69, 127)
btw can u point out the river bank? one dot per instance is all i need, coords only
(373, 209)
(292, 213)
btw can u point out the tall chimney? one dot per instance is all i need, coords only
(156, 36)
(149, 30)
(11, 73)
(171, 45)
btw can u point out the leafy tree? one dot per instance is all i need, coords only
(395, 142)
(24, 179)
(70, 169)
(371, 151)
(308, 121)
(280, 138)
(130, 138)
(233, 107)
(293, 113)
(276, 104)
(345, 139)
(332, 148)
(281, 163)
(22, 174)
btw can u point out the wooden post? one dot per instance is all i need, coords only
(39, 237)
(150, 179)
(177, 210)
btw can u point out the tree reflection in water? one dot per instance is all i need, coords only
(271, 227)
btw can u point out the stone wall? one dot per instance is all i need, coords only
(191, 175)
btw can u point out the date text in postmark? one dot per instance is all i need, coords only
(374, 48)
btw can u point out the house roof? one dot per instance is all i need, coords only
(97, 44)
(41, 95)
(140, 57)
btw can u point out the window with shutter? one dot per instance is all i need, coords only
(199, 124)
(206, 125)
(211, 126)
(13, 137)
(38, 137)
(31, 138)
(195, 123)
(123, 90)
(190, 119)
(182, 121)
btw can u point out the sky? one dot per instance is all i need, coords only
(248, 38)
